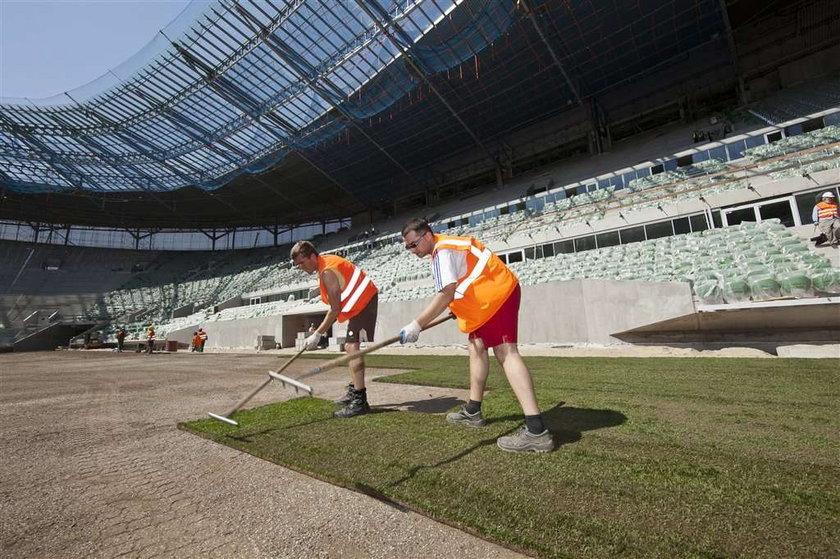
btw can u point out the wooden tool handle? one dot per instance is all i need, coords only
(263, 385)
(375, 347)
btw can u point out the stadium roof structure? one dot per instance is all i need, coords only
(253, 112)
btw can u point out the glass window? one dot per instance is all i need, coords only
(701, 156)
(670, 165)
(656, 169)
(794, 130)
(632, 234)
(753, 141)
(774, 136)
(780, 210)
(503, 258)
(682, 225)
(535, 205)
(529, 253)
(548, 250)
(564, 247)
(607, 239)
(734, 217)
(698, 222)
(716, 219)
(657, 230)
(585, 243)
(514, 257)
(718, 153)
(736, 149)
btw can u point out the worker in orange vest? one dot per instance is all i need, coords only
(150, 340)
(353, 298)
(484, 296)
(826, 217)
(196, 342)
(202, 336)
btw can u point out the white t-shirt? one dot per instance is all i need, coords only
(448, 266)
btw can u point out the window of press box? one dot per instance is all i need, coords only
(698, 222)
(716, 219)
(813, 124)
(529, 253)
(657, 230)
(607, 239)
(632, 235)
(564, 247)
(548, 250)
(514, 257)
(682, 225)
(585, 243)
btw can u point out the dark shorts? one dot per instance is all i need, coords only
(503, 327)
(365, 320)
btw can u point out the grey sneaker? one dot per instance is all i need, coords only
(525, 441)
(344, 400)
(464, 418)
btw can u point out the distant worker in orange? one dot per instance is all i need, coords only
(826, 217)
(484, 296)
(196, 341)
(352, 297)
(202, 337)
(150, 339)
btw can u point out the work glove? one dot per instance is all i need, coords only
(312, 341)
(410, 333)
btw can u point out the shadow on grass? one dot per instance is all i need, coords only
(434, 405)
(566, 425)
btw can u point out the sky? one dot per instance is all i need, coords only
(49, 47)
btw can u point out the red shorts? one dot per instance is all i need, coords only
(503, 327)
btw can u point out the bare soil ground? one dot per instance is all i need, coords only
(94, 465)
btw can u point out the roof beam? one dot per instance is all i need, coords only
(375, 12)
(554, 58)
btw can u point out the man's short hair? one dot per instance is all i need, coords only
(303, 248)
(419, 226)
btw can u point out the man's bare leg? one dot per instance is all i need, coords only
(518, 376)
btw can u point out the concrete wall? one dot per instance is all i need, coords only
(576, 311)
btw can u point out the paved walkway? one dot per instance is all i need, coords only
(93, 466)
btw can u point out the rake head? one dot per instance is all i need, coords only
(223, 418)
(297, 385)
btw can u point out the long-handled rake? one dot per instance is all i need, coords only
(343, 359)
(226, 418)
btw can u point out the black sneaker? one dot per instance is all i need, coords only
(344, 400)
(357, 406)
(464, 418)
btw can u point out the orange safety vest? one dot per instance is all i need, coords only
(826, 211)
(357, 291)
(485, 287)
(150, 335)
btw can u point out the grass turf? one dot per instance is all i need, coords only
(656, 458)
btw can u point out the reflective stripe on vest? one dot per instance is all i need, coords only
(358, 288)
(483, 257)
(826, 211)
(476, 302)
(352, 292)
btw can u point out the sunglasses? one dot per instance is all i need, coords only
(415, 243)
